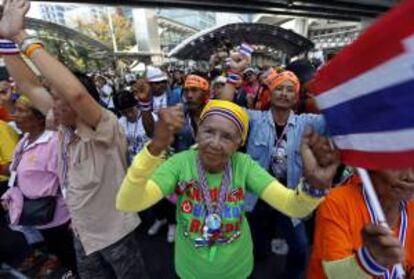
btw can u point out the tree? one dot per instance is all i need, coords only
(100, 30)
(75, 56)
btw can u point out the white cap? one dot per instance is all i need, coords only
(220, 79)
(249, 70)
(156, 75)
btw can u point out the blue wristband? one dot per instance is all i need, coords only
(246, 50)
(8, 47)
(233, 78)
(312, 191)
(145, 106)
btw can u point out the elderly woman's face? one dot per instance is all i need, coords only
(26, 120)
(397, 185)
(284, 96)
(218, 138)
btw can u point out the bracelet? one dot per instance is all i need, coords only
(233, 78)
(28, 41)
(32, 48)
(8, 47)
(312, 191)
(145, 105)
(246, 50)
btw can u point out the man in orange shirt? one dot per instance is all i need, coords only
(347, 243)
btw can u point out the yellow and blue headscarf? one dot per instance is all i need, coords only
(229, 110)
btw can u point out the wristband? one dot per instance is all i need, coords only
(31, 49)
(8, 47)
(29, 41)
(233, 78)
(312, 191)
(145, 105)
(246, 50)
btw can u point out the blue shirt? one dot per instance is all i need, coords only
(262, 138)
(173, 97)
(184, 139)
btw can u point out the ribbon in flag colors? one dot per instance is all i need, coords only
(366, 94)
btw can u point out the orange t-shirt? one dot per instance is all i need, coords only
(339, 221)
(263, 99)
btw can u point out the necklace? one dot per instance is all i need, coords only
(213, 220)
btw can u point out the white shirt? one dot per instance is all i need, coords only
(106, 96)
(130, 77)
(159, 102)
(136, 135)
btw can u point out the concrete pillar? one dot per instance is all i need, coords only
(146, 33)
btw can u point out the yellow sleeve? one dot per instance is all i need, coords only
(137, 192)
(344, 269)
(294, 203)
(8, 142)
(9, 139)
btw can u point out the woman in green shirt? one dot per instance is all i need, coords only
(213, 236)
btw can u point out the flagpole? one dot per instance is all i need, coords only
(372, 196)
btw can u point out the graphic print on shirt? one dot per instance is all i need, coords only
(159, 102)
(192, 213)
(279, 155)
(136, 136)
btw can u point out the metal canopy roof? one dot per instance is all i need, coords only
(68, 34)
(201, 45)
(353, 10)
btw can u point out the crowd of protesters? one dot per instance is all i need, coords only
(229, 160)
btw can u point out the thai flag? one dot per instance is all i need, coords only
(367, 94)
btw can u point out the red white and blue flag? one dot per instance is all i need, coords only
(366, 94)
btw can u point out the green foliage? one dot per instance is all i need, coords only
(100, 29)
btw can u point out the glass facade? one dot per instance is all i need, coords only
(61, 14)
(196, 19)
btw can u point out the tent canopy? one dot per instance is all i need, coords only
(202, 45)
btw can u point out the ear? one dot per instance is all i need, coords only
(240, 142)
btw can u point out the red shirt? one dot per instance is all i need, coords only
(4, 115)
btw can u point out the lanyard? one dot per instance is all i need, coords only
(191, 126)
(225, 183)
(134, 135)
(402, 232)
(18, 155)
(280, 139)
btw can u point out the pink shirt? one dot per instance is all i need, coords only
(37, 176)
